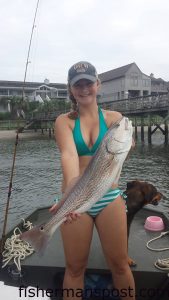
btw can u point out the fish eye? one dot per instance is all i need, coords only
(41, 228)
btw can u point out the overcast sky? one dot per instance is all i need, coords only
(109, 34)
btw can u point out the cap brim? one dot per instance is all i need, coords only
(82, 76)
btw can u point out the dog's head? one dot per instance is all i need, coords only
(149, 191)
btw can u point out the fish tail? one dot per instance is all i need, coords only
(37, 237)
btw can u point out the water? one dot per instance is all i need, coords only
(37, 175)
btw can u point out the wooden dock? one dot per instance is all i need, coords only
(146, 111)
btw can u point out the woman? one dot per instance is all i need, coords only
(78, 135)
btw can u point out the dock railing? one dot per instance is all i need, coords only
(131, 106)
(139, 104)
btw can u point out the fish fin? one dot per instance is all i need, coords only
(37, 237)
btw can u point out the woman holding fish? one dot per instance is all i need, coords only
(78, 135)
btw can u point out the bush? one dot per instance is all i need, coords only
(5, 115)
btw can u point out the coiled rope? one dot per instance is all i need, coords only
(15, 248)
(161, 264)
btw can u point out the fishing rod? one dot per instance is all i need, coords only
(8, 198)
(29, 48)
(2, 242)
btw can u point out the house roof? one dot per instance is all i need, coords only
(153, 79)
(13, 84)
(115, 73)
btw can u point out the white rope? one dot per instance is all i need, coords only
(158, 237)
(161, 264)
(15, 248)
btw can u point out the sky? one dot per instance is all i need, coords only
(109, 34)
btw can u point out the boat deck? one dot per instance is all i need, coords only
(42, 270)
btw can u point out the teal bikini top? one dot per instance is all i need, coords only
(82, 148)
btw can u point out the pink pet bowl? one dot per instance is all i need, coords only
(154, 223)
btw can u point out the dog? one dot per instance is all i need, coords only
(139, 194)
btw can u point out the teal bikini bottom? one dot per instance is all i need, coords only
(109, 197)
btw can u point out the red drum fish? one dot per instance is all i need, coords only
(103, 170)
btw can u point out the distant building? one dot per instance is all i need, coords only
(33, 91)
(158, 85)
(124, 82)
(120, 83)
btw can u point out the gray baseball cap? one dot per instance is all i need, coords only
(82, 70)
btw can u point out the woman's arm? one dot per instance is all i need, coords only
(112, 117)
(69, 156)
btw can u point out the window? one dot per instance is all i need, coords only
(122, 94)
(3, 92)
(147, 82)
(122, 82)
(62, 93)
(15, 93)
(134, 79)
(28, 93)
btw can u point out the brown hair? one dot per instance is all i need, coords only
(74, 113)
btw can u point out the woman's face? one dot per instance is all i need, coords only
(85, 91)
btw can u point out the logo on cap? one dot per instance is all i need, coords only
(81, 67)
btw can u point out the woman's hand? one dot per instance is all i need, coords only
(54, 208)
(73, 216)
